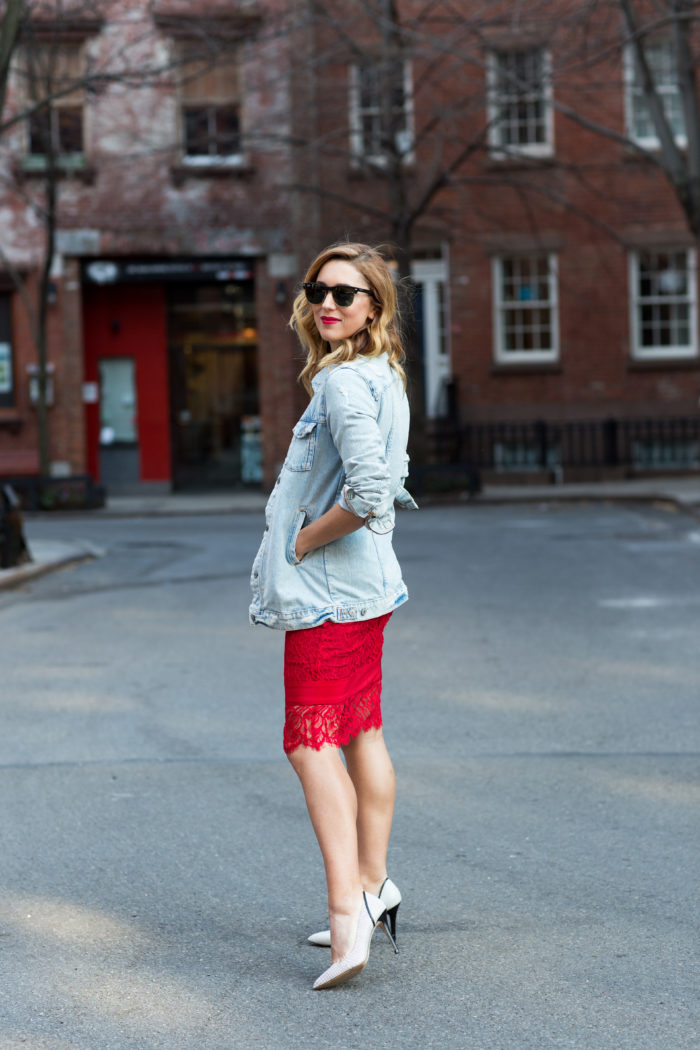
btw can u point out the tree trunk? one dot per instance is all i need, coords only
(9, 29)
(395, 174)
(42, 407)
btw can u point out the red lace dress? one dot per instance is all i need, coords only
(332, 682)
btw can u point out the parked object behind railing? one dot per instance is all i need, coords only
(74, 492)
(13, 546)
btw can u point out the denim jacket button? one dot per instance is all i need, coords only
(255, 575)
(363, 612)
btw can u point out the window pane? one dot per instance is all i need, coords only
(664, 298)
(527, 321)
(662, 64)
(227, 131)
(40, 132)
(196, 131)
(371, 134)
(369, 88)
(55, 71)
(69, 122)
(212, 131)
(379, 130)
(520, 100)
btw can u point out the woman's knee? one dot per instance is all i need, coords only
(303, 758)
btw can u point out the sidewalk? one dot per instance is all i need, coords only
(683, 493)
(47, 556)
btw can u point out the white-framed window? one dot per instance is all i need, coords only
(210, 108)
(663, 303)
(661, 58)
(380, 130)
(54, 129)
(526, 321)
(520, 103)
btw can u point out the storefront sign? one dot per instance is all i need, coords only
(133, 271)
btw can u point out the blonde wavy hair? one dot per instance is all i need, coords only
(380, 335)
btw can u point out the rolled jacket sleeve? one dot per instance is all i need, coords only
(352, 408)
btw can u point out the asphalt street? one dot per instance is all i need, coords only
(158, 874)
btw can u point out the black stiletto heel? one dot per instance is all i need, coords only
(385, 922)
(391, 913)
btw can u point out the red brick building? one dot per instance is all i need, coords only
(207, 151)
(510, 150)
(173, 268)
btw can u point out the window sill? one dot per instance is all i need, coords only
(497, 162)
(638, 153)
(32, 167)
(663, 364)
(525, 368)
(179, 173)
(374, 167)
(10, 420)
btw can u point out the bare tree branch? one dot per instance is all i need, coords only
(9, 31)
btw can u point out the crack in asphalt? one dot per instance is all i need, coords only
(212, 760)
(24, 594)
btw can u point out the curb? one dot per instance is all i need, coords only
(11, 578)
(493, 498)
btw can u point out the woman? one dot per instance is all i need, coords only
(326, 573)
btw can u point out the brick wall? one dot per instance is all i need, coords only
(590, 203)
(136, 198)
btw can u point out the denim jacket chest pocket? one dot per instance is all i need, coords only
(303, 446)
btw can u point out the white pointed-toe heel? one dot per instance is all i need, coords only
(373, 913)
(390, 897)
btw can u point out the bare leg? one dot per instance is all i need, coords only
(372, 775)
(332, 805)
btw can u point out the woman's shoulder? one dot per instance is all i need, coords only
(361, 377)
(365, 368)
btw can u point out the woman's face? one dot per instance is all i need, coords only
(333, 322)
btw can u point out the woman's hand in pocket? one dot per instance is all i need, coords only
(335, 523)
(300, 548)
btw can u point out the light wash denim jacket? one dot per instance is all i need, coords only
(349, 447)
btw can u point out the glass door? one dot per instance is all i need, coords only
(119, 449)
(214, 386)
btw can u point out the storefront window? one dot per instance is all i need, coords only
(212, 335)
(7, 379)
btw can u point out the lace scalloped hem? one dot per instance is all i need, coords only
(318, 725)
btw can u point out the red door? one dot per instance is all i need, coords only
(129, 321)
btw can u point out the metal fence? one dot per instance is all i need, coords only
(639, 444)
(76, 492)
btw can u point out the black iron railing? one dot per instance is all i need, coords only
(76, 492)
(460, 455)
(638, 444)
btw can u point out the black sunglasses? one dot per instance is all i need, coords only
(343, 294)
